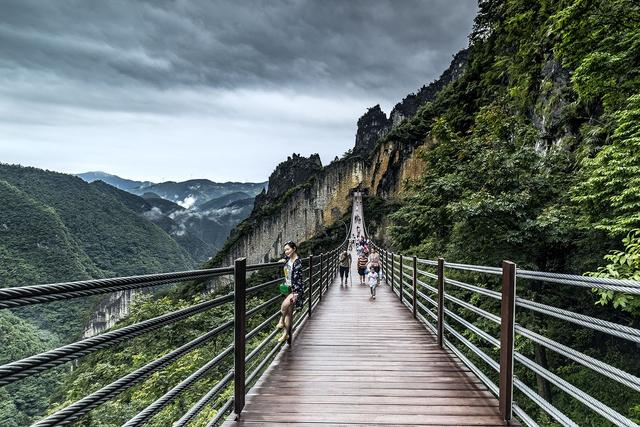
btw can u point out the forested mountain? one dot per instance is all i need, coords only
(55, 228)
(220, 202)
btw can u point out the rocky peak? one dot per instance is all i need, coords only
(410, 104)
(294, 171)
(371, 126)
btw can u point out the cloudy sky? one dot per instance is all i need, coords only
(225, 90)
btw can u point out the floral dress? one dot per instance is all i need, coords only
(293, 277)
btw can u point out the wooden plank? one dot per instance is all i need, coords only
(388, 409)
(394, 419)
(400, 392)
(379, 400)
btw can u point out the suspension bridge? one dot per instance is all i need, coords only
(404, 358)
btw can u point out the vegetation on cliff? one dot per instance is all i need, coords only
(533, 155)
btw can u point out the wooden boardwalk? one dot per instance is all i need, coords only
(366, 362)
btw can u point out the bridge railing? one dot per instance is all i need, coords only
(421, 285)
(319, 272)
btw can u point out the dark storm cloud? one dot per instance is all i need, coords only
(384, 47)
(198, 87)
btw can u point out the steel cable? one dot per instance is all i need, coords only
(473, 288)
(427, 274)
(204, 401)
(427, 287)
(426, 297)
(597, 406)
(477, 310)
(81, 407)
(427, 262)
(477, 268)
(603, 368)
(429, 312)
(262, 326)
(263, 305)
(14, 371)
(22, 295)
(618, 285)
(155, 407)
(607, 327)
(543, 404)
(223, 410)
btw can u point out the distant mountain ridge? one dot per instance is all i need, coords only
(197, 192)
(199, 214)
(116, 181)
(190, 193)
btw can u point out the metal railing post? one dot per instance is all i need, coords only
(239, 325)
(440, 325)
(401, 278)
(415, 286)
(331, 272)
(393, 271)
(507, 315)
(386, 267)
(321, 274)
(310, 283)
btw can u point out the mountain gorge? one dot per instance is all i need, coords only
(526, 148)
(198, 214)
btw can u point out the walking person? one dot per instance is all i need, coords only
(362, 266)
(374, 263)
(372, 277)
(293, 279)
(345, 266)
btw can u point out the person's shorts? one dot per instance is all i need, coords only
(361, 270)
(376, 268)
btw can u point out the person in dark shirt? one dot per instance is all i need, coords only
(345, 266)
(293, 278)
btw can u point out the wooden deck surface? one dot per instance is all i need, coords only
(366, 362)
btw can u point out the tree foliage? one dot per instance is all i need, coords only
(533, 155)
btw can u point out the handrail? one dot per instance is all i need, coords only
(404, 275)
(318, 276)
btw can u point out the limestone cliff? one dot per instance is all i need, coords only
(299, 214)
(111, 309)
(304, 198)
(294, 171)
(373, 125)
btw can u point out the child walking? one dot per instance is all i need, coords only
(373, 282)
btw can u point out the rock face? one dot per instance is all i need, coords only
(554, 96)
(410, 104)
(373, 125)
(381, 169)
(294, 171)
(109, 311)
(303, 214)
